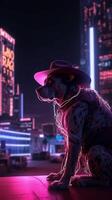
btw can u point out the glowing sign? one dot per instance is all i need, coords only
(105, 57)
(8, 58)
(7, 36)
(25, 119)
(104, 75)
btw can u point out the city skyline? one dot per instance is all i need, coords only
(44, 33)
(96, 28)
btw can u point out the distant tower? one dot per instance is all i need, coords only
(18, 103)
(96, 15)
(7, 44)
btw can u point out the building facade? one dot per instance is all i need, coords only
(98, 15)
(16, 143)
(7, 44)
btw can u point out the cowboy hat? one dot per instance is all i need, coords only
(62, 67)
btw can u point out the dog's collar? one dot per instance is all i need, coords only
(70, 99)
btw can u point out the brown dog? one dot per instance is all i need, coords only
(84, 118)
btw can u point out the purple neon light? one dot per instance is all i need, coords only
(16, 132)
(21, 154)
(17, 145)
(14, 137)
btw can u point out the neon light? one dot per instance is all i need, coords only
(21, 154)
(17, 145)
(106, 75)
(22, 106)
(16, 132)
(33, 123)
(92, 56)
(11, 107)
(14, 137)
(8, 57)
(41, 135)
(55, 154)
(25, 119)
(105, 57)
(7, 36)
(18, 90)
(5, 123)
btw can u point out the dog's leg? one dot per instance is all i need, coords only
(100, 164)
(57, 176)
(82, 166)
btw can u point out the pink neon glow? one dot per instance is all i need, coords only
(33, 124)
(25, 119)
(18, 90)
(105, 57)
(106, 75)
(7, 36)
(41, 76)
(11, 107)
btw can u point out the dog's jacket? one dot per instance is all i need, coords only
(85, 121)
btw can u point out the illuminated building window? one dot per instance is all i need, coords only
(98, 14)
(7, 76)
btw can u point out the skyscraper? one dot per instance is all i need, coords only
(7, 44)
(98, 15)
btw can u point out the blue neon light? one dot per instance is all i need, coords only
(92, 57)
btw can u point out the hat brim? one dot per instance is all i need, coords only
(81, 76)
(41, 76)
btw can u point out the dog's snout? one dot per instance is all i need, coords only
(45, 93)
(38, 92)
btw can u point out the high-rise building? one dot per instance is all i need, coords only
(7, 44)
(97, 14)
(18, 103)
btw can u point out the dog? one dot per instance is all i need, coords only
(85, 119)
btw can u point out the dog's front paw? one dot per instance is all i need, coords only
(58, 185)
(54, 176)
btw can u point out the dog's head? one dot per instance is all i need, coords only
(58, 87)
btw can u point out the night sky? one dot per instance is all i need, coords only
(44, 31)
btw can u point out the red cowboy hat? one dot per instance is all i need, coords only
(63, 67)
